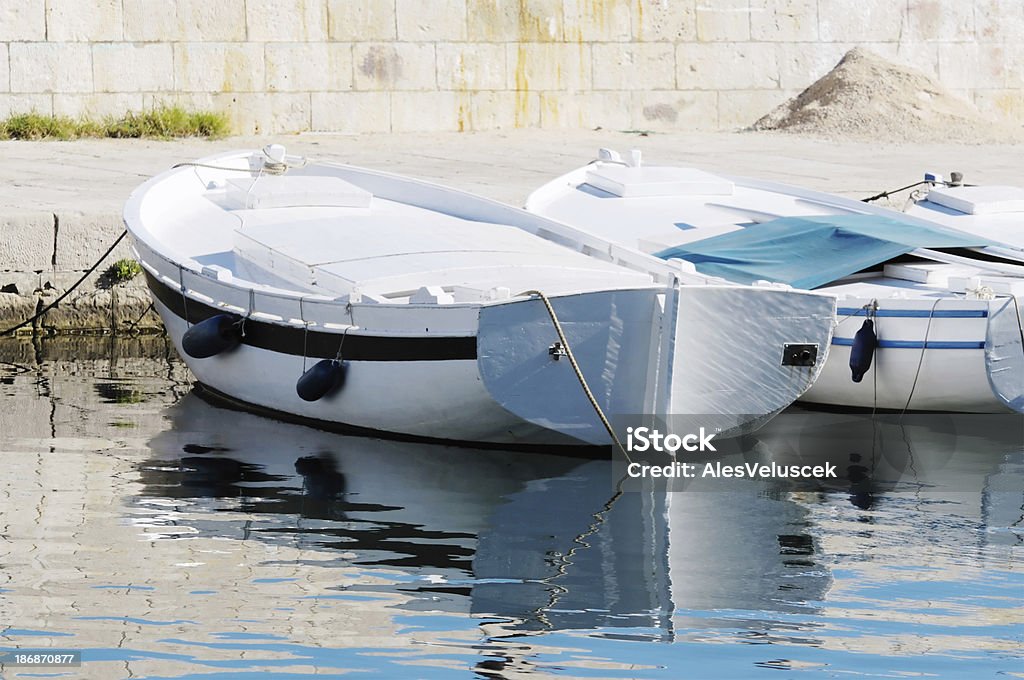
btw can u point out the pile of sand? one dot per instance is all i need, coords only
(865, 96)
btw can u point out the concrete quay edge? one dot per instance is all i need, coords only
(60, 202)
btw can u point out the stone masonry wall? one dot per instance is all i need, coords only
(408, 65)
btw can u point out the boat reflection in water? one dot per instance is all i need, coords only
(930, 453)
(546, 543)
(392, 503)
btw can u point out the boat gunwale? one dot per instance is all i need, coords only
(662, 273)
(555, 189)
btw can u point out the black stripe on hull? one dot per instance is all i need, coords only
(218, 398)
(318, 344)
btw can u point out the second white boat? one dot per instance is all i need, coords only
(928, 318)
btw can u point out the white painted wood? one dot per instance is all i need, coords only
(979, 200)
(994, 212)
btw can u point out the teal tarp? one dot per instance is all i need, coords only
(807, 252)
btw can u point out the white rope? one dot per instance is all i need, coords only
(980, 293)
(256, 179)
(576, 369)
(193, 164)
(270, 167)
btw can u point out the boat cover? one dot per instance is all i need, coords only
(808, 252)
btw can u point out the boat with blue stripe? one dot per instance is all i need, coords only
(915, 313)
(916, 344)
(928, 317)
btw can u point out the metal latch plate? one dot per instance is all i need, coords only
(799, 354)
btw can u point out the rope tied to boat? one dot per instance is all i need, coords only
(869, 310)
(1017, 307)
(576, 369)
(270, 166)
(890, 192)
(252, 310)
(920, 358)
(38, 315)
(133, 326)
(341, 345)
(1020, 322)
(184, 298)
(981, 292)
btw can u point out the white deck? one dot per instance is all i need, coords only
(292, 233)
(662, 221)
(676, 215)
(392, 249)
(1004, 226)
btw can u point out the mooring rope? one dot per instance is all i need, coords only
(133, 325)
(887, 194)
(38, 315)
(1020, 322)
(270, 166)
(576, 369)
(920, 359)
(871, 312)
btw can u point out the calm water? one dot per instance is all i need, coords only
(169, 538)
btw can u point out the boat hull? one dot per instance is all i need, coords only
(951, 355)
(489, 379)
(432, 399)
(502, 386)
(437, 341)
(729, 352)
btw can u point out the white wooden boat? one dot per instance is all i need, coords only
(363, 301)
(945, 306)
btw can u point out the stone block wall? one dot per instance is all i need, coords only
(420, 65)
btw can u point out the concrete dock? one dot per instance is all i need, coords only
(60, 202)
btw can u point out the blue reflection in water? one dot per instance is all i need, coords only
(547, 558)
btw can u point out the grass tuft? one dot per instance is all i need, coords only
(123, 271)
(164, 122)
(37, 126)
